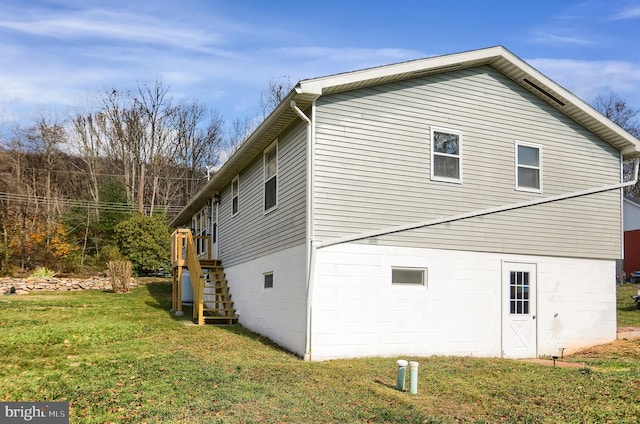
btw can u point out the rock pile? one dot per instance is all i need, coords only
(30, 284)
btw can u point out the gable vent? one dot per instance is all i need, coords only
(545, 92)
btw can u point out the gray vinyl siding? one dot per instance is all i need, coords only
(251, 233)
(373, 168)
(568, 228)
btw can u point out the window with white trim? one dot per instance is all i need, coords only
(409, 276)
(235, 195)
(271, 177)
(528, 167)
(268, 280)
(446, 155)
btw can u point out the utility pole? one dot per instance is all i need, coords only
(141, 191)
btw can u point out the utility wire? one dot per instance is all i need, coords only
(62, 171)
(122, 207)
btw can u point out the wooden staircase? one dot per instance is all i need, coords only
(211, 297)
(217, 304)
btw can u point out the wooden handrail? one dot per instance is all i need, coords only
(195, 272)
(183, 253)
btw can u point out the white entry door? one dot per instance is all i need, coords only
(519, 324)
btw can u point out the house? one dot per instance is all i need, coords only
(456, 205)
(631, 227)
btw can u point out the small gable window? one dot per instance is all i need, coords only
(446, 155)
(528, 167)
(235, 195)
(271, 177)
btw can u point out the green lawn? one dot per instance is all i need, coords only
(628, 314)
(124, 358)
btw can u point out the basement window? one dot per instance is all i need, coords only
(409, 276)
(268, 280)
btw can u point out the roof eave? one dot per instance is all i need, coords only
(501, 59)
(266, 132)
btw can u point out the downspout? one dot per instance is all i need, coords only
(310, 248)
(489, 211)
(622, 214)
(214, 227)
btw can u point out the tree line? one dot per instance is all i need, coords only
(67, 183)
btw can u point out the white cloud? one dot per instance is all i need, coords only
(588, 79)
(104, 24)
(629, 13)
(542, 36)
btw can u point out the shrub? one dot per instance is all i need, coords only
(145, 241)
(109, 253)
(120, 274)
(42, 272)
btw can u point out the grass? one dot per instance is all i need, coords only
(628, 314)
(123, 358)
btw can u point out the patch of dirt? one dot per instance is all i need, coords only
(626, 348)
(558, 363)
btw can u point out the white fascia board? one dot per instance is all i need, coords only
(630, 151)
(503, 60)
(318, 85)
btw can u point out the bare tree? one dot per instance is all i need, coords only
(241, 129)
(86, 138)
(196, 144)
(276, 90)
(618, 111)
(46, 137)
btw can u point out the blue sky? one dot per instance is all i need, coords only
(59, 55)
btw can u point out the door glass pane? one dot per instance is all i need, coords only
(519, 293)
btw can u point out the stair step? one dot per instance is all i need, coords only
(218, 291)
(228, 320)
(217, 280)
(218, 310)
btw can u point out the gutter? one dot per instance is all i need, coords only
(481, 212)
(232, 166)
(310, 253)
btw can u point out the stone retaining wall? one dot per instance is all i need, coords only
(31, 284)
